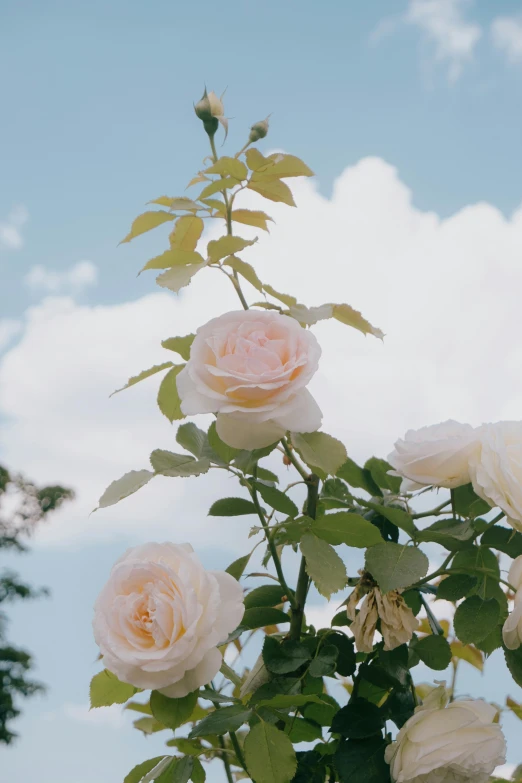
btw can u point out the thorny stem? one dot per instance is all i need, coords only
(431, 513)
(296, 622)
(291, 456)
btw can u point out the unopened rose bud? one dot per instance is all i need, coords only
(211, 112)
(258, 131)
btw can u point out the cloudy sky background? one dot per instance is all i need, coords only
(408, 112)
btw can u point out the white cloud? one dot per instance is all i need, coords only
(506, 32)
(505, 771)
(11, 228)
(74, 279)
(443, 24)
(106, 717)
(9, 328)
(446, 293)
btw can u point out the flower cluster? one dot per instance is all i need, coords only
(452, 454)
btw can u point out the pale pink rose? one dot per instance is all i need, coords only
(161, 615)
(437, 455)
(252, 368)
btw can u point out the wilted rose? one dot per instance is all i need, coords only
(496, 468)
(251, 368)
(398, 622)
(459, 743)
(437, 455)
(161, 615)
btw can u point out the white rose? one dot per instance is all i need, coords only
(437, 455)
(515, 573)
(456, 744)
(251, 368)
(512, 630)
(161, 615)
(496, 469)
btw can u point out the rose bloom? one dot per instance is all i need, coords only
(437, 456)
(161, 615)
(512, 630)
(515, 573)
(251, 368)
(397, 619)
(459, 743)
(496, 469)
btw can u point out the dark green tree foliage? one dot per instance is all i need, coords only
(22, 506)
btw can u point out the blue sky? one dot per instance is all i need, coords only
(408, 111)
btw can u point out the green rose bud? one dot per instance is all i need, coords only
(258, 130)
(211, 112)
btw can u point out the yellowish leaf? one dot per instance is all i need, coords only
(180, 345)
(468, 653)
(198, 178)
(266, 306)
(231, 167)
(168, 398)
(216, 204)
(311, 315)
(186, 233)
(288, 166)
(142, 375)
(347, 315)
(146, 222)
(255, 160)
(178, 276)
(217, 186)
(246, 270)
(174, 257)
(287, 299)
(176, 202)
(274, 190)
(514, 706)
(251, 217)
(227, 246)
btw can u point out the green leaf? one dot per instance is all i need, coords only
(379, 469)
(504, 539)
(251, 217)
(362, 761)
(169, 402)
(146, 222)
(186, 232)
(358, 477)
(246, 461)
(222, 449)
(396, 516)
(266, 595)
(229, 166)
(180, 345)
(286, 299)
(358, 720)
(260, 617)
(288, 166)
(434, 651)
(325, 661)
(221, 721)
(198, 772)
(137, 774)
(217, 186)
(301, 730)
(514, 663)
(176, 202)
(450, 533)
(277, 499)
(345, 528)
(456, 586)
(475, 619)
(172, 712)
(283, 701)
(169, 464)
(237, 568)
(231, 507)
(148, 725)
(320, 451)
(467, 503)
(267, 475)
(175, 257)
(246, 270)
(323, 565)
(273, 190)
(142, 375)
(347, 315)
(395, 566)
(284, 657)
(181, 771)
(192, 438)
(106, 689)
(124, 486)
(270, 757)
(179, 276)
(514, 706)
(227, 246)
